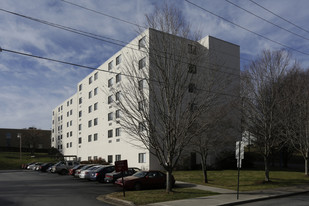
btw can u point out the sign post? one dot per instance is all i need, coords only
(239, 154)
(122, 166)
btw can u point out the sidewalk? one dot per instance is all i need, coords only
(226, 197)
(229, 197)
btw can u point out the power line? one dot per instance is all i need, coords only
(284, 19)
(101, 13)
(280, 27)
(97, 69)
(125, 21)
(101, 38)
(244, 28)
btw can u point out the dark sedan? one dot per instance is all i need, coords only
(45, 166)
(144, 179)
(99, 174)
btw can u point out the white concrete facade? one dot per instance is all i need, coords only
(87, 123)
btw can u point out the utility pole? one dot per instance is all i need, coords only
(20, 152)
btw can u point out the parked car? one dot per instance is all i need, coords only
(63, 167)
(33, 166)
(144, 179)
(78, 171)
(85, 174)
(73, 170)
(45, 166)
(113, 176)
(99, 174)
(24, 166)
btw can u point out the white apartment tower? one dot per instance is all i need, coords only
(88, 124)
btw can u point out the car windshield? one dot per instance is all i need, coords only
(140, 174)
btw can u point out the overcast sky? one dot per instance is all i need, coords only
(31, 88)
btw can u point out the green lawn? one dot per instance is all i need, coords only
(151, 196)
(11, 160)
(249, 179)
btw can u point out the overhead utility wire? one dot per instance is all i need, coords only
(125, 21)
(284, 19)
(280, 27)
(98, 37)
(80, 32)
(97, 69)
(101, 13)
(244, 28)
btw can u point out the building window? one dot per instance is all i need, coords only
(80, 127)
(192, 87)
(95, 157)
(71, 101)
(110, 99)
(141, 126)
(80, 114)
(118, 60)
(142, 43)
(117, 157)
(80, 100)
(90, 80)
(117, 132)
(95, 121)
(117, 113)
(141, 157)
(95, 91)
(95, 76)
(89, 138)
(68, 134)
(110, 82)
(95, 106)
(89, 158)
(68, 113)
(118, 78)
(141, 105)
(141, 84)
(70, 144)
(67, 145)
(71, 134)
(90, 123)
(110, 116)
(71, 112)
(68, 103)
(89, 94)
(191, 49)
(67, 124)
(71, 123)
(79, 140)
(110, 158)
(192, 69)
(110, 65)
(80, 87)
(90, 109)
(110, 133)
(117, 96)
(142, 63)
(95, 137)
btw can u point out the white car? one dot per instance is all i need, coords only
(84, 174)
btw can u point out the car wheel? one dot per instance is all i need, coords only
(137, 186)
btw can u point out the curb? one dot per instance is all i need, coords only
(114, 201)
(262, 198)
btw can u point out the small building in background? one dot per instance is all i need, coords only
(32, 139)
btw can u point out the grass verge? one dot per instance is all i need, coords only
(249, 179)
(11, 160)
(151, 196)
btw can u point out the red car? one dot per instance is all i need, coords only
(144, 179)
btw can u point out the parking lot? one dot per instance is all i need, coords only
(33, 188)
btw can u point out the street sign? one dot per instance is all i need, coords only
(240, 148)
(121, 166)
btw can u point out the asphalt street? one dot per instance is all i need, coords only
(31, 188)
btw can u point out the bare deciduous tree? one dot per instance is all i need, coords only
(262, 96)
